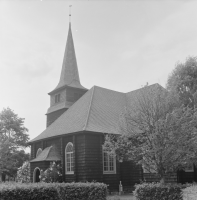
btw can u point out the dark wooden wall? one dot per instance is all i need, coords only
(130, 173)
(80, 163)
(88, 161)
(93, 157)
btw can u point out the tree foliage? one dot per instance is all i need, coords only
(13, 138)
(23, 173)
(157, 133)
(12, 128)
(183, 81)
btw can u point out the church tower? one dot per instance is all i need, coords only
(69, 88)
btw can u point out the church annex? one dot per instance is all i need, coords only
(77, 120)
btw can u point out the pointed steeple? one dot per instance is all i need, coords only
(69, 88)
(69, 74)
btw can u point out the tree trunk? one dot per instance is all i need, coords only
(163, 180)
(162, 177)
(3, 177)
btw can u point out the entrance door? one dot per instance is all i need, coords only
(36, 175)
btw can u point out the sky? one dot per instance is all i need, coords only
(120, 45)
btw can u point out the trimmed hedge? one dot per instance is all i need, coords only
(53, 191)
(157, 191)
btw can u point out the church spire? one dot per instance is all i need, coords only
(69, 74)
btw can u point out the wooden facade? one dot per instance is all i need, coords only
(88, 161)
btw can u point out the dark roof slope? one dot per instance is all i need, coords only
(98, 110)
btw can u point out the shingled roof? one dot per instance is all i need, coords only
(69, 74)
(98, 110)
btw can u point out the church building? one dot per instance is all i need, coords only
(77, 120)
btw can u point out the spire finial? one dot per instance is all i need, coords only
(70, 14)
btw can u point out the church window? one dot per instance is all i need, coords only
(109, 163)
(69, 159)
(57, 98)
(39, 151)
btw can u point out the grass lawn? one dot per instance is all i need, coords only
(122, 197)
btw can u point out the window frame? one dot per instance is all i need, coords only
(57, 98)
(71, 159)
(108, 171)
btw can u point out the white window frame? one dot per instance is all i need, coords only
(108, 171)
(71, 159)
(39, 151)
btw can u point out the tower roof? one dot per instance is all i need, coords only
(69, 74)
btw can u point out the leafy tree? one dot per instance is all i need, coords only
(156, 133)
(13, 138)
(6, 160)
(183, 81)
(18, 157)
(23, 173)
(52, 174)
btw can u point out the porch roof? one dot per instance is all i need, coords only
(48, 154)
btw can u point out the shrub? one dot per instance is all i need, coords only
(53, 191)
(157, 191)
(23, 173)
(27, 192)
(190, 193)
(52, 174)
(82, 191)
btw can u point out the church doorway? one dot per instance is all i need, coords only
(36, 177)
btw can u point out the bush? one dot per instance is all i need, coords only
(82, 191)
(23, 173)
(53, 191)
(190, 193)
(52, 174)
(157, 191)
(28, 191)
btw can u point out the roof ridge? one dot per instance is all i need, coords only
(86, 123)
(154, 84)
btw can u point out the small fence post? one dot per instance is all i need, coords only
(120, 188)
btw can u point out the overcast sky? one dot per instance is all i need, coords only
(120, 45)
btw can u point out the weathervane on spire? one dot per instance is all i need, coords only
(70, 13)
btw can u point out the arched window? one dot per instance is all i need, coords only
(39, 151)
(69, 162)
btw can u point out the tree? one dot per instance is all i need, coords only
(6, 160)
(18, 158)
(183, 81)
(13, 138)
(156, 133)
(23, 173)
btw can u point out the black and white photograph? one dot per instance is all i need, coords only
(98, 100)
